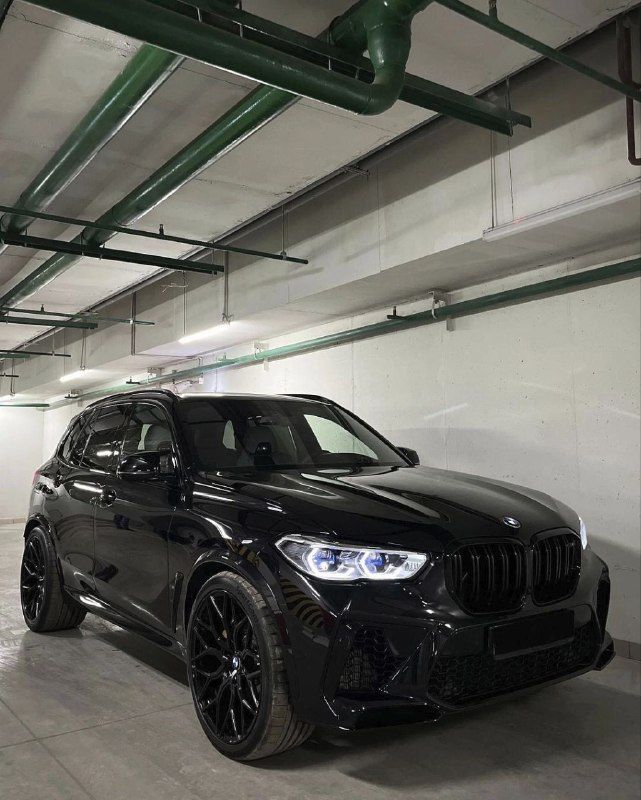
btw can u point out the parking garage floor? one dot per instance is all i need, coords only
(100, 713)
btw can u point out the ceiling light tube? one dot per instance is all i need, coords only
(204, 334)
(595, 201)
(79, 374)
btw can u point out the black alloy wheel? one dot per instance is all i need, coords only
(33, 574)
(46, 605)
(237, 674)
(226, 669)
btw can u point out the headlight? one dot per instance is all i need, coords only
(337, 562)
(584, 533)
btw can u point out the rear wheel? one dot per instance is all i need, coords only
(236, 672)
(45, 604)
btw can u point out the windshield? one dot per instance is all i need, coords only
(232, 433)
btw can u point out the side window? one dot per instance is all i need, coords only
(73, 446)
(148, 429)
(334, 438)
(105, 437)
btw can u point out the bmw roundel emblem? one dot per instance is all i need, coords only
(511, 522)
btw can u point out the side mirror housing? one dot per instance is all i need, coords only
(139, 466)
(411, 454)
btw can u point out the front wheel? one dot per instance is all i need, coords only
(236, 672)
(45, 604)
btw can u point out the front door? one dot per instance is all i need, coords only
(132, 523)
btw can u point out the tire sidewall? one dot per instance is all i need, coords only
(229, 583)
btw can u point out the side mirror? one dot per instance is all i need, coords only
(139, 466)
(411, 454)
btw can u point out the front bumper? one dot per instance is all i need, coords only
(368, 656)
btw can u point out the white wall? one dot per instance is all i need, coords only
(543, 394)
(20, 456)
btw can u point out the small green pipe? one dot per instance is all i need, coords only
(24, 405)
(145, 72)
(494, 24)
(621, 270)
(27, 353)
(47, 323)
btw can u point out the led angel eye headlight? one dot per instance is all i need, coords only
(338, 562)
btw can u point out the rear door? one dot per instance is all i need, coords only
(69, 506)
(133, 520)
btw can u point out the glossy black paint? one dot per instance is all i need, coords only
(136, 550)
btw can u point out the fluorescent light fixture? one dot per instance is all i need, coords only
(205, 334)
(625, 191)
(74, 376)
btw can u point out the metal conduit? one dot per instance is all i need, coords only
(620, 270)
(245, 118)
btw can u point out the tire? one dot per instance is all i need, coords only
(46, 606)
(237, 675)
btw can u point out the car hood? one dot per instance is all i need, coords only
(394, 504)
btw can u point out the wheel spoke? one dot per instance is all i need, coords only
(32, 578)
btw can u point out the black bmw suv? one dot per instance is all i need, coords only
(308, 571)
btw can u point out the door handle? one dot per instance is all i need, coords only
(107, 497)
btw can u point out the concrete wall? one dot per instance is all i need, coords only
(21, 449)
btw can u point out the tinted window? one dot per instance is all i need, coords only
(105, 437)
(73, 446)
(237, 433)
(148, 429)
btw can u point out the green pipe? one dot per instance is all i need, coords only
(80, 315)
(382, 26)
(494, 24)
(231, 129)
(46, 323)
(27, 353)
(24, 405)
(146, 71)
(78, 248)
(417, 91)
(624, 269)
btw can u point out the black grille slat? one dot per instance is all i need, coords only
(460, 680)
(556, 566)
(488, 577)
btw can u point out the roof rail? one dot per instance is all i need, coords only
(131, 393)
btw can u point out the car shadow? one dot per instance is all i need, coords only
(567, 722)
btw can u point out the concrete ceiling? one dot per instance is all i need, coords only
(55, 67)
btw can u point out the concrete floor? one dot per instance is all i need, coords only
(99, 713)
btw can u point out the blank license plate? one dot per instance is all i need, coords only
(533, 633)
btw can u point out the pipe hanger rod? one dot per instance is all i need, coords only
(150, 234)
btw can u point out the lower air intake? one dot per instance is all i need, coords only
(370, 662)
(462, 680)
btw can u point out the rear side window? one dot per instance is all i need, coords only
(105, 437)
(73, 446)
